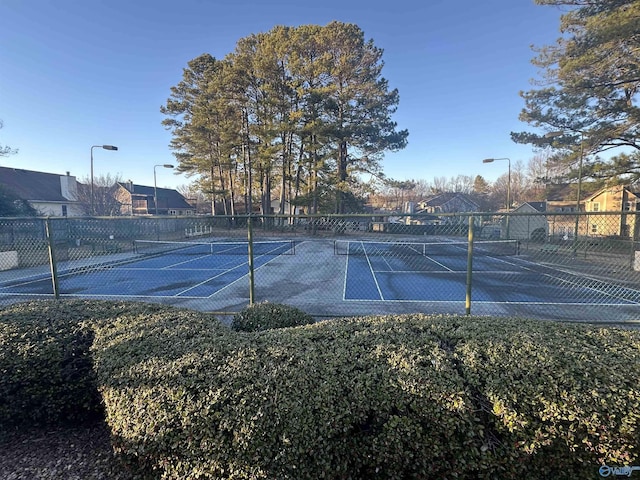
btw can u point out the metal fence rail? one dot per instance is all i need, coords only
(578, 267)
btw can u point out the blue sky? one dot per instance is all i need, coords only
(75, 74)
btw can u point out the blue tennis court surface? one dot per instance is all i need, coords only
(391, 274)
(324, 274)
(164, 269)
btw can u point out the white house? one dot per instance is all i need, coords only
(50, 194)
(527, 222)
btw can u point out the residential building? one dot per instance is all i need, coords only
(610, 211)
(426, 212)
(141, 200)
(527, 222)
(50, 194)
(618, 198)
(449, 202)
(561, 208)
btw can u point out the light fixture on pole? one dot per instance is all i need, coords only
(106, 147)
(155, 185)
(579, 194)
(491, 160)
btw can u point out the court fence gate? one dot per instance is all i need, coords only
(582, 267)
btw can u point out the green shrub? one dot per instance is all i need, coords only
(46, 368)
(373, 398)
(143, 363)
(266, 316)
(394, 397)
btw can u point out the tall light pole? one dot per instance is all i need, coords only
(106, 147)
(155, 185)
(575, 228)
(490, 160)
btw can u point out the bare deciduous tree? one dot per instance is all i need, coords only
(104, 202)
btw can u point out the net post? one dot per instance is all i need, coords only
(469, 266)
(250, 260)
(52, 258)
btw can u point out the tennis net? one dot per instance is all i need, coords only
(153, 247)
(399, 249)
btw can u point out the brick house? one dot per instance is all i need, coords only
(141, 200)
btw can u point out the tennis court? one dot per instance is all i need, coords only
(157, 269)
(437, 272)
(328, 277)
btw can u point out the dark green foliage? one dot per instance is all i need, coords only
(589, 85)
(394, 397)
(265, 316)
(389, 398)
(13, 206)
(46, 369)
(312, 96)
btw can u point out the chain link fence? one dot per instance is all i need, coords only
(577, 267)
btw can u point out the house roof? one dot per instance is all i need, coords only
(620, 187)
(539, 206)
(563, 192)
(442, 198)
(174, 198)
(32, 186)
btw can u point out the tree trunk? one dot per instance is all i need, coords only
(342, 176)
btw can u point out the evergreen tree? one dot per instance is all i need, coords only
(13, 206)
(296, 111)
(589, 88)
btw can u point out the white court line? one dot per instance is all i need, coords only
(181, 263)
(208, 280)
(223, 252)
(438, 263)
(451, 272)
(489, 302)
(240, 278)
(388, 264)
(147, 269)
(373, 274)
(353, 300)
(574, 283)
(346, 274)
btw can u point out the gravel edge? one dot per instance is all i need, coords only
(70, 453)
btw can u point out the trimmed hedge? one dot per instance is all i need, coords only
(394, 397)
(266, 316)
(46, 368)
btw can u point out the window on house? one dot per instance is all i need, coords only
(64, 210)
(595, 206)
(594, 228)
(630, 206)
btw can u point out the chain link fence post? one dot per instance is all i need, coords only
(52, 257)
(469, 266)
(250, 260)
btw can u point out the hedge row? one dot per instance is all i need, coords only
(267, 316)
(390, 397)
(46, 374)
(394, 397)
